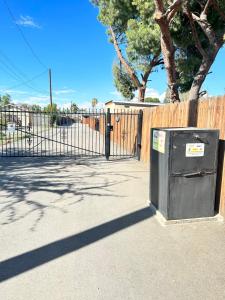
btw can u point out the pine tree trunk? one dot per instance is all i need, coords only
(169, 62)
(198, 81)
(123, 61)
(141, 94)
(168, 51)
(201, 75)
(194, 92)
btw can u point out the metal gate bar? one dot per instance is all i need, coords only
(41, 133)
(85, 133)
(123, 133)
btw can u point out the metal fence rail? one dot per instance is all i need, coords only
(86, 133)
(40, 133)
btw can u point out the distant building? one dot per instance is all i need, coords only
(130, 105)
(23, 117)
(15, 114)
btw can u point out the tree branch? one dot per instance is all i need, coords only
(153, 63)
(206, 28)
(172, 10)
(201, 75)
(159, 6)
(194, 32)
(205, 10)
(123, 61)
(160, 62)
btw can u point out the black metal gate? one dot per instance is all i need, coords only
(86, 133)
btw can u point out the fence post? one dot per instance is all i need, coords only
(193, 113)
(107, 134)
(139, 134)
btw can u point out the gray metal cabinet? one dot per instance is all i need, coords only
(183, 171)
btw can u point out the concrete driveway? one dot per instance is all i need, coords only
(77, 139)
(84, 230)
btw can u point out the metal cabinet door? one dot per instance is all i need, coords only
(183, 159)
(191, 197)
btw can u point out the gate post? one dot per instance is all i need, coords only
(139, 134)
(107, 134)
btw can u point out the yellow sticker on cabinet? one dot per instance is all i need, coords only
(195, 150)
(159, 138)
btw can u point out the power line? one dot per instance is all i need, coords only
(28, 81)
(14, 72)
(13, 66)
(7, 71)
(23, 83)
(10, 68)
(23, 35)
(10, 71)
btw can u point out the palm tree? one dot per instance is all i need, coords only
(94, 102)
(74, 108)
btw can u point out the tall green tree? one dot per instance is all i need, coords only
(5, 100)
(36, 107)
(50, 108)
(123, 82)
(152, 100)
(192, 33)
(53, 112)
(207, 24)
(136, 39)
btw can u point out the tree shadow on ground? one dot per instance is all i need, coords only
(32, 186)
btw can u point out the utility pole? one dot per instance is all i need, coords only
(50, 86)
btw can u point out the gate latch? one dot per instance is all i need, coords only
(109, 127)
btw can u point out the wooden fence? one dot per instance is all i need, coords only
(124, 132)
(171, 115)
(124, 135)
(206, 113)
(211, 114)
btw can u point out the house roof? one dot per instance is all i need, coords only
(110, 101)
(18, 107)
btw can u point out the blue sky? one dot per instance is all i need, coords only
(67, 37)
